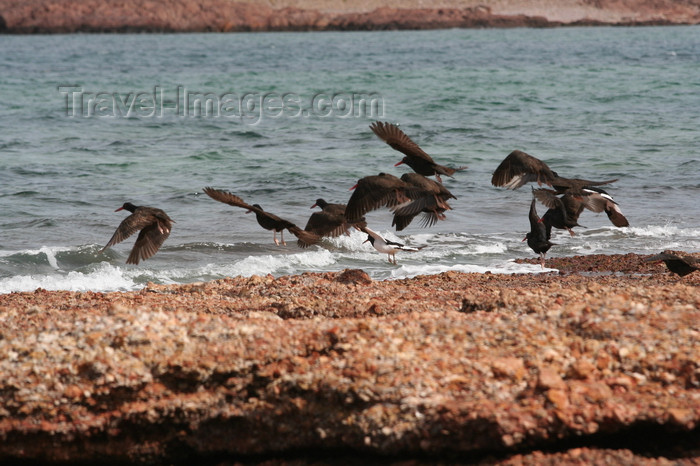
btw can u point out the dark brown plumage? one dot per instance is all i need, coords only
(432, 202)
(330, 221)
(373, 192)
(519, 168)
(415, 157)
(265, 219)
(537, 237)
(598, 200)
(154, 225)
(680, 265)
(564, 210)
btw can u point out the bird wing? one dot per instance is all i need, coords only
(402, 221)
(130, 225)
(229, 198)
(548, 198)
(519, 168)
(373, 192)
(419, 181)
(598, 200)
(394, 244)
(533, 217)
(403, 247)
(575, 185)
(398, 140)
(148, 242)
(335, 209)
(428, 219)
(427, 202)
(326, 224)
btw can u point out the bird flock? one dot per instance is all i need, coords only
(407, 197)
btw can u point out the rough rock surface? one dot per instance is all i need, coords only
(65, 16)
(579, 368)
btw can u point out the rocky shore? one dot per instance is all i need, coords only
(599, 363)
(69, 16)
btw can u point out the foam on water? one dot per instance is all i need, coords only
(666, 231)
(280, 264)
(45, 254)
(510, 267)
(105, 277)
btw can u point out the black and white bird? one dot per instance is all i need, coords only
(390, 248)
(537, 237)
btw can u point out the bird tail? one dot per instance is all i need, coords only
(616, 217)
(306, 238)
(411, 248)
(448, 171)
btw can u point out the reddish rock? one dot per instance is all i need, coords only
(354, 276)
(549, 378)
(512, 368)
(333, 364)
(64, 16)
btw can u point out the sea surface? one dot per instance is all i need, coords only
(88, 122)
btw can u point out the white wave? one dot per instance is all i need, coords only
(51, 255)
(105, 277)
(493, 248)
(509, 267)
(667, 230)
(275, 264)
(48, 251)
(352, 242)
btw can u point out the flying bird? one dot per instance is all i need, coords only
(598, 200)
(432, 202)
(680, 265)
(375, 191)
(329, 221)
(519, 168)
(265, 219)
(564, 210)
(537, 237)
(154, 225)
(390, 248)
(414, 156)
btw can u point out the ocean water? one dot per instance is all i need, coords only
(88, 122)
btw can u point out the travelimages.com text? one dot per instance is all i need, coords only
(248, 107)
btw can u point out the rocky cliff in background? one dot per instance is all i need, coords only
(68, 16)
